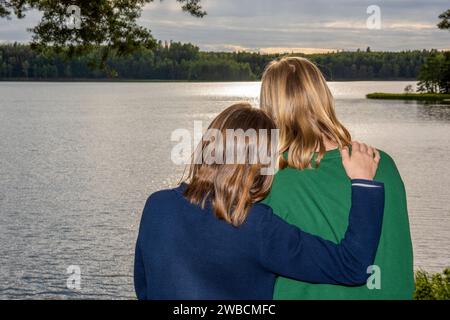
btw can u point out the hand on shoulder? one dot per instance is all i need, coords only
(362, 162)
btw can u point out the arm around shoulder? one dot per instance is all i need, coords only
(288, 251)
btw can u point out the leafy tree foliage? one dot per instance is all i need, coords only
(178, 61)
(106, 25)
(434, 76)
(445, 20)
(432, 286)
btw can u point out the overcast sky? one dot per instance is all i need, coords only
(286, 25)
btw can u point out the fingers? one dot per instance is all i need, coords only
(345, 154)
(355, 146)
(363, 147)
(377, 156)
(363, 161)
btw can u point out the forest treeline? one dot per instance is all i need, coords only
(179, 61)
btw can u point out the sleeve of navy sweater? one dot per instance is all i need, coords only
(140, 280)
(288, 251)
(140, 284)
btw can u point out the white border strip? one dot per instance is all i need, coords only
(365, 185)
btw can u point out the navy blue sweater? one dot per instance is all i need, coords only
(185, 252)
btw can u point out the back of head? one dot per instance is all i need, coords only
(227, 164)
(296, 95)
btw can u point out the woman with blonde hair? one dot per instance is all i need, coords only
(311, 190)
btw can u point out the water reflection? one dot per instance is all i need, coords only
(433, 111)
(78, 161)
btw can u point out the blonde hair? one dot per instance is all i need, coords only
(296, 95)
(232, 188)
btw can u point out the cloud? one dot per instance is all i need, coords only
(295, 50)
(253, 24)
(16, 29)
(267, 25)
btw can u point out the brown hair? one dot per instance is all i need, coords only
(296, 95)
(231, 187)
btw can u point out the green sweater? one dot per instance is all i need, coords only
(318, 201)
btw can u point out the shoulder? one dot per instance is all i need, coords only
(158, 204)
(386, 159)
(284, 179)
(259, 212)
(388, 172)
(162, 198)
(262, 215)
(262, 208)
(387, 163)
(287, 173)
(161, 195)
(268, 225)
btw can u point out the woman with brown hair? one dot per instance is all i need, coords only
(312, 190)
(210, 238)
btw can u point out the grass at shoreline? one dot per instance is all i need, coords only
(431, 286)
(410, 96)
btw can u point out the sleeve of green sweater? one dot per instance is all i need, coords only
(396, 238)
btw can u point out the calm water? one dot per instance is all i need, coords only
(78, 160)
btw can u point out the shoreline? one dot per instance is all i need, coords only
(431, 97)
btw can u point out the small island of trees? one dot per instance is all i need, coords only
(433, 77)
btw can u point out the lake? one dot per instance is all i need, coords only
(78, 160)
